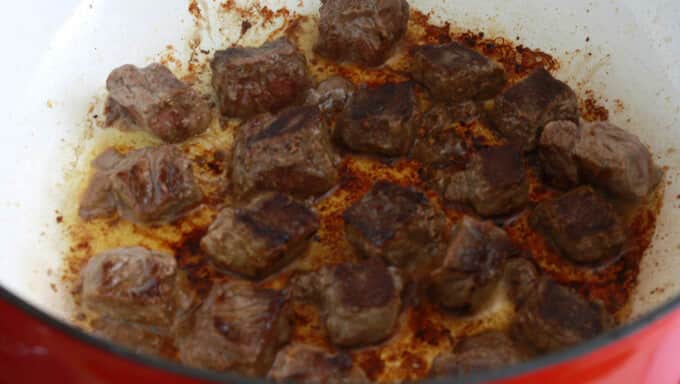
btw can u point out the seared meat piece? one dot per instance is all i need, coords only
(554, 317)
(455, 73)
(379, 120)
(98, 201)
(149, 186)
(398, 224)
(262, 237)
(483, 352)
(250, 80)
(332, 95)
(581, 223)
(495, 182)
(616, 160)
(521, 277)
(599, 153)
(140, 338)
(304, 364)
(472, 266)
(239, 327)
(361, 31)
(154, 100)
(130, 284)
(360, 302)
(556, 154)
(437, 144)
(290, 153)
(522, 111)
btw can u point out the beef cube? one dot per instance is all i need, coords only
(130, 284)
(495, 182)
(472, 266)
(521, 277)
(239, 328)
(454, 73)
(332, 95)
(261, 238)
(483, 352)
(360, 302)
(147, 186)
(522, 111)
(290, 153)
(556, 154)
(581, 224)
(380, 121)
(149, 340)
(554, 317)
(305, 364)
(98, 201)
(397, 224)
(616, 160)
(154, 100)
(249, 81)
(437, 144)
(361, 31)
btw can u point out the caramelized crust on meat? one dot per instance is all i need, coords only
(523, 110)
(308, 364)
(454, 73)
(154, 100)
(582, 224)
(239, 327)
(130, 284)
(252, 80)
(398, 224)
(262, 237)
(379, 121)
(361, 31)
(289, 153)
(554, 317)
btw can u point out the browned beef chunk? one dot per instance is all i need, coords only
(472, 266)
(239, 328)
(483, 352)
(360, 302)
(582, 224)
(305, 364)
(556, 154)
(554, 317)
(148, 186)
(259, 239)
(154, 100)
(290, 153)
(397, 224)
(616, 160)
(599, 153)
(522, 111)
(437, 143)
(141, 338)
(130, 284)
(332, 95)
(249, 81)
(361, 31)
(521, 277)
(455, 73)
(495, 182)
(379, 120)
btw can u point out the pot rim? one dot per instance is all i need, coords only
(167, 366)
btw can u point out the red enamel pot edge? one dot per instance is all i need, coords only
(35, 347)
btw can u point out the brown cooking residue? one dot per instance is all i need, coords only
(424, 328)
(591, 108)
